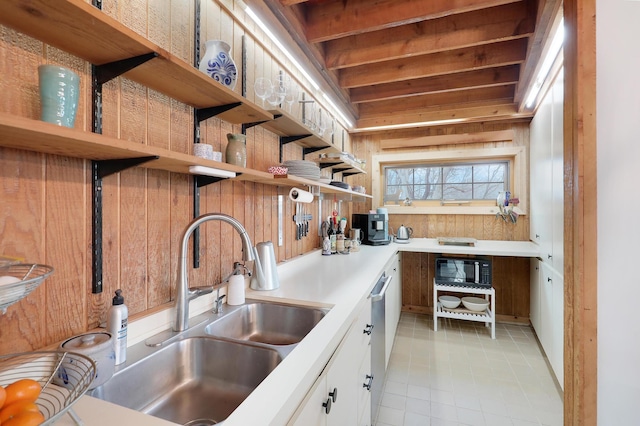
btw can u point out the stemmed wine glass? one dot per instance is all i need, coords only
(263, 88)
(291, 95)
(277, 95)
(322, 122)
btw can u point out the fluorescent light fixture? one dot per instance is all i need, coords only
(547, 63)
(275, 40)
(346, 121)
(210, 171)
(409, 125)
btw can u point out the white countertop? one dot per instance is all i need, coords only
(342, 282)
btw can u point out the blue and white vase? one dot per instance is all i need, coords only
(218, 63)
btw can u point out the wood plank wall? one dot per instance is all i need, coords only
(45, 207)
(510, 278)
(512, 274)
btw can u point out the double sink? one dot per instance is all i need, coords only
(198, 377)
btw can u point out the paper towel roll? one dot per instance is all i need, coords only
(300, 196)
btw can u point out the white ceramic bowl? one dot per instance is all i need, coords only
(476, 304)
(449, 302)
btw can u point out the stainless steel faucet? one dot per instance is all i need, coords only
(186, 294)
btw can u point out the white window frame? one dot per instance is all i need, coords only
(518, 177)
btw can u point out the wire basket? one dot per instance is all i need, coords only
(30, 276)
(63, 376)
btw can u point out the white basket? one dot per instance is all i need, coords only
(63, 376)
(30, 276)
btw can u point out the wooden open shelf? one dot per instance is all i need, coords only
(34, 135)
(77, 27)
(286, 125)
(339, 165)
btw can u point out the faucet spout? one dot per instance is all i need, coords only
(185, 294)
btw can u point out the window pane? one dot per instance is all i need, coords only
(457, 192)
(427, 192)
(487, 191)
(457, 174)
(489, 173)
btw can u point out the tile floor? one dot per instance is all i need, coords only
(460, 376)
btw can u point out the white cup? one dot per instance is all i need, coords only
(217, 156)
(203, 150)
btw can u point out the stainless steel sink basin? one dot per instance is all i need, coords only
(268, 323)
(194, 381)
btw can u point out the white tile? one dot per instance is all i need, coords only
(497, 420)
(468, 402)
(442, 397)
(397, 388)
(418, 392)
(415, 419)
(391, 416)
(444, 412)
(393, 401)
(419, 406)
(471, 417)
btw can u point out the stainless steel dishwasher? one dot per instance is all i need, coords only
(378, 340)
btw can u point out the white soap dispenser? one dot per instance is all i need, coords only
(235, 289)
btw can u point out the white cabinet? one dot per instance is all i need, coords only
(393, 305)
(340, 395)
(534, 313)
(547, 176)
(547, 224)
(547, 313)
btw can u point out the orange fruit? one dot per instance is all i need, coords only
(3, 396)
(10, 411)
(26, 418)
(24, 389)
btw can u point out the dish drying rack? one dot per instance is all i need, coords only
(63, 376)
(30, 275)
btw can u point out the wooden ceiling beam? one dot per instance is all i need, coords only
(489, 77)
(452, 139)
(460, 113)
(291, 2)
(451, 32)
(467, 59)
(437, 100)
(331, 19)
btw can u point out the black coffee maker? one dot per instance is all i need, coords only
(374, 228)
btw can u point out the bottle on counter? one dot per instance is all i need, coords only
(117, 322)
(340, 241)
(332, 237)
(235, 289)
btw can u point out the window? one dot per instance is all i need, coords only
(445, 182)
(461, 181)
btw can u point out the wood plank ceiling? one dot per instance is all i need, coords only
(402, 62)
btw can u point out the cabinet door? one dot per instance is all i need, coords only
(540, 176)
(312, 412)
(393, 305)
(364, 394)
(534, 313)
(342, 372)
(556, 358)
(546, 303)
(551, 334)
(557, 174)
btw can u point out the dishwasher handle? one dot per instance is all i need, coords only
(378, 296)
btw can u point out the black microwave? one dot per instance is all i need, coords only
(463, 272)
